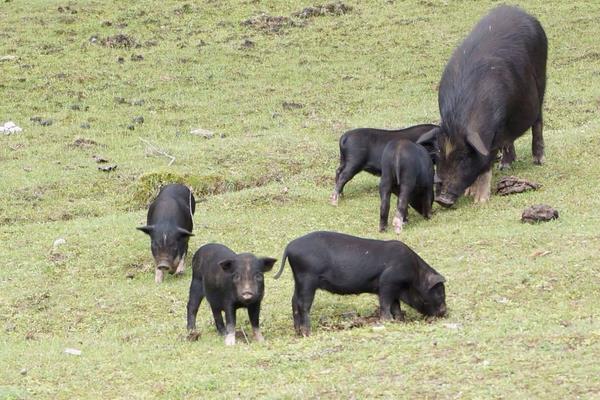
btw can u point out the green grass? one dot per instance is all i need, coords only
(521, 324)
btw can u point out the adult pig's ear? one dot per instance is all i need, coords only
(267, 263)
(184, 232)
(226, 265)
(474, 139)
(434, 279)
(429, 138)
(146, 229)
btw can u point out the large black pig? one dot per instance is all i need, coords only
(361, 150)
(406, 171)
(228, 281)
(345, 264)
(169, 225)
(491, 92)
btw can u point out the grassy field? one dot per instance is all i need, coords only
(523, 299)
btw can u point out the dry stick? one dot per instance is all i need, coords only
(245, 337)
(159, 151)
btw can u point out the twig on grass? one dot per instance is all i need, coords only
(245, 337)
(154, 149)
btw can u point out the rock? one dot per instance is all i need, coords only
(99, 159)
(247, 44)
(46, 122)
(138, 120)
(511, 184)
(58, 242)
(204, 133)
(8, 58)
(10, 127)
(539, 213)
(137, 57)
(130, 127)
(138, 102)
(452, 325)
(23, 371)
(75, 107)
(73, 352)
(107, 168)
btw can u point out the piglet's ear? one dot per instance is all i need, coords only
(474, 140)
(227, 265)
(434, 279)
(146, 229)
(430, 137)
(268, 263)
(184, 232)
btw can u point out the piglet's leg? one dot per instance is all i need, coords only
(230, 326)
(181, 266)
(483, 187)
(159, 275)
(396, 311)
(253, 315)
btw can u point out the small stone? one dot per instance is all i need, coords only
(247, 44)
(73, 352)
(130, 127)
(23, 371)
(85, 125)
(8, 58)
(58, 242)
(46, 122)
(137, 57)
(130, 275)
(205, 133)
(107, 168)
(138, 120)
(452, 325)
(120, 59)
(138, 102)
(75, 107)
(120, 100)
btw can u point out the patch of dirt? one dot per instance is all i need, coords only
(84, 143)
(511, 184)
(119, 40)
(326, 181)
(269, 23)
(290, 105)
(539, 213)
(349, 320)
(337, 8)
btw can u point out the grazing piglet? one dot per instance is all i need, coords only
(228, 281)
(406, 171)
(361, 150)
(344, 264)
(170, 226)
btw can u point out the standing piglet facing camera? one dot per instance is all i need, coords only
(228, 281)
(406, 171)
(169, 226)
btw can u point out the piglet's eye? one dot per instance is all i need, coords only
(258, 277)
(236, 276)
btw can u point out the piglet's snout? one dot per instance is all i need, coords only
(163, 265)
(441, 311)
(247, 295)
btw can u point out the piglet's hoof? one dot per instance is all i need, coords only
(333, 199)
(398, 225)
(193, 336)
(259, 337)
(230, 339)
